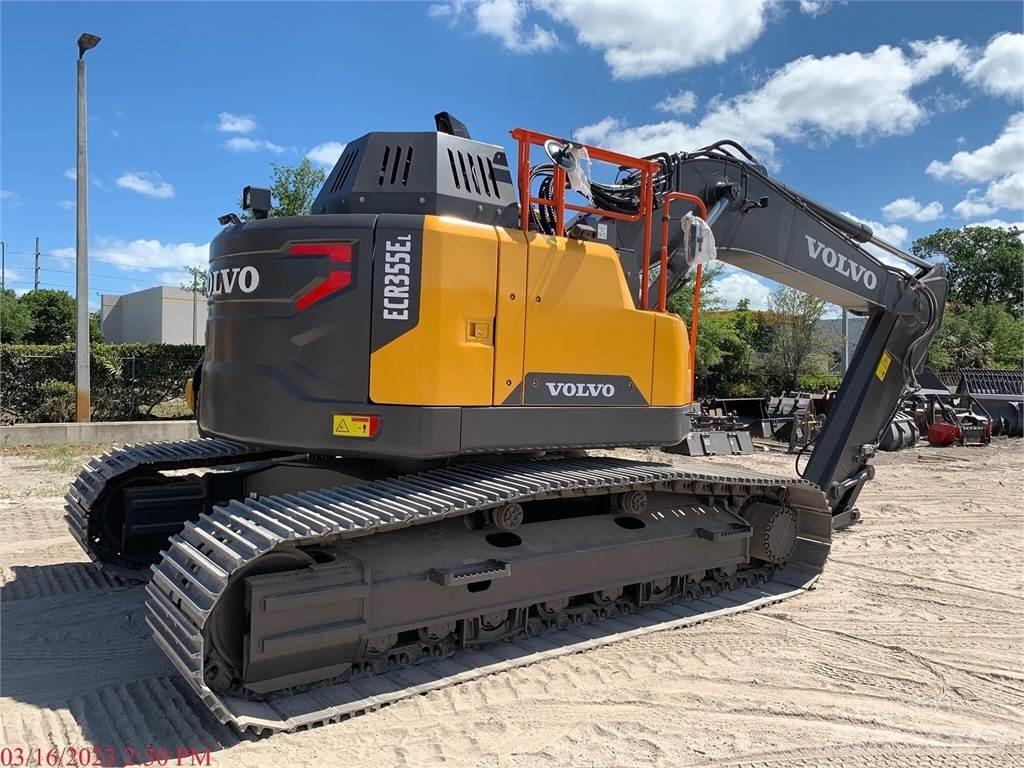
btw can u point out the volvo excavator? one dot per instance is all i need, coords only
(400, 400)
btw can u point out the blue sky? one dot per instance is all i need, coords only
(907, 115)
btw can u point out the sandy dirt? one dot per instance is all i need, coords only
(908, 653)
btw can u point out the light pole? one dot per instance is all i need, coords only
(82, 387)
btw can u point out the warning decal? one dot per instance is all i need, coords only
(883, 366)
(347, 425)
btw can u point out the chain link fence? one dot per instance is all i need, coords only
(128, 382)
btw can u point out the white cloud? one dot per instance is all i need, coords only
(177, 277)
(944, 101)
(146, 183)
(438, 10)
(71, 173)
(735, 284)
(326, 153)
(807, 99)
(814, 7)
(636, 41)
(681, 103)
(1000, 69)
(245, 144)
(1007, 192)
(505, 20)
(67, 205)
(12, 275)
(1000, 157)
(142, 254)
(1000, 163)
(8, 195)
(909, 208)
(973, 205)
(229, 123)
(648, 39)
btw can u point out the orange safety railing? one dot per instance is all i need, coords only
(647, 169)
(527, 139)
(662, 283)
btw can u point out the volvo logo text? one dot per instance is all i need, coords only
(841, 264)
(572, 389)
(224, 281)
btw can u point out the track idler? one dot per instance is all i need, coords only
(775, 531)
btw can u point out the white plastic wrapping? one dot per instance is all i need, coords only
(698, 240)
(579, 176)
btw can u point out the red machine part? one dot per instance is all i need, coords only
(941, 434)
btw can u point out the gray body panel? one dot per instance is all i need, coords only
(419, 173)
(275, 374)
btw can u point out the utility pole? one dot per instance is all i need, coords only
(3, 265)
(35, 284)
(82, 385)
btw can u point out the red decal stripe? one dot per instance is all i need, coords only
(336, 251)
(337, 280)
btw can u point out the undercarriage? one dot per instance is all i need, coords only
(287, 609)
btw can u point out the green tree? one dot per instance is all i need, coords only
(294, 188)
(15, 319)
(196, 282)
(798, 344)
(96, 327)
(718, 345)
(986, 264)
(53, 316)
(751, 326)
(983, 336)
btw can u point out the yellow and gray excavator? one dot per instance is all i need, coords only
(396, 403)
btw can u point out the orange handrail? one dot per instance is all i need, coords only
(526, 138)
(647, 168)
(662, 284)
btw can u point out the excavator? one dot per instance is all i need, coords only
(402, 479)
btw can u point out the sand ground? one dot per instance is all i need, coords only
(908, 653)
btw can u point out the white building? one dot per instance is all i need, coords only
(156, 315)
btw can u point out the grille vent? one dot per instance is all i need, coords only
(346, 166)
(473, 173)
(395, 164)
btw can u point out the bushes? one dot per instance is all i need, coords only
(58, 402)
(127, 380)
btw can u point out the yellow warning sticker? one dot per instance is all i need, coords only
(348, 425)
(883, 366)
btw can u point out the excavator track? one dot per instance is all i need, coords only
(191, 582)
(86, 502)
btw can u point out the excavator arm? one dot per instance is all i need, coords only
(765, 227)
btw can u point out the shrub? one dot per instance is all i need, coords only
(127, 380)
(58, 402)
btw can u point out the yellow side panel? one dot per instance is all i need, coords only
(448, 358)
(673, 379)
(510, 324)
(580, 318)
